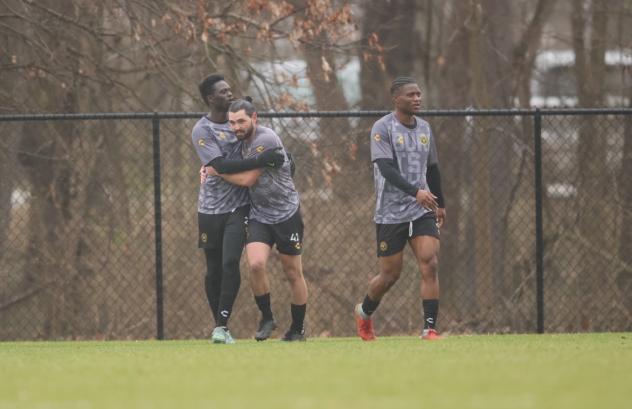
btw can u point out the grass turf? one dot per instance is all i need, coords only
(495, 371)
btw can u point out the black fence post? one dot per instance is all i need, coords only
(539, 232)
(158, 228)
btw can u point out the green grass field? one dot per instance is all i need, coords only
(495, 371)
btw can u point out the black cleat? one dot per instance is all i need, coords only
(293, 335)
(265, 330)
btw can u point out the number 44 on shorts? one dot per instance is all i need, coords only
(294, 237)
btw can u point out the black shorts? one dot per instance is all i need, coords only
(213, 227)
(287, 235)
(392, 238)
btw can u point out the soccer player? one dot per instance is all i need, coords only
(222, 207)
(409, 205)
(274, 219)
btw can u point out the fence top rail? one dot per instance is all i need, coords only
(319, 114)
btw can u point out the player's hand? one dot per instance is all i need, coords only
(440, 212)
(210, 171)
(427, 199)
(272, 158)
(202, 175)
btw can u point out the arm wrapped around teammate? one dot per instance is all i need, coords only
(271, 158)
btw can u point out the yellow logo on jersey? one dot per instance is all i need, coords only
(204, 238)
(260, 149)
(201, 142)
(383, 246)
(400, 139)
(222, 136)
(423, 139)
(377, 137)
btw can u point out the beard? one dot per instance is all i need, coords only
(246, 133)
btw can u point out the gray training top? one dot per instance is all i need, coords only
(273, 197)
(412, 150)
(213, 140)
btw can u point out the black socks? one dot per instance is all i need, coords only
(263, 302)
(298, 317)
(431, 310)
(369, 306)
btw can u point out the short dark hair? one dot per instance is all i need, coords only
(207, 86)
(245, 104)
(400, 82)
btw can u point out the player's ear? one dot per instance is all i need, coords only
(254, 116)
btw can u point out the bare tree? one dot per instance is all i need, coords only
(385, 55)
(625, 197)
(593, 181)
(84, 57)
(484, 61)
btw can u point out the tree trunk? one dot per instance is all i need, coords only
(8, 175)
(390, 22)
(335, 133)
(625, 187)
(481, 195)
(456, 257)
(60, 161)
(593, 183)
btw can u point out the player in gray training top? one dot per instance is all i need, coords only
(222, 207)
(274, 219)
(273, 197)
(409, 205)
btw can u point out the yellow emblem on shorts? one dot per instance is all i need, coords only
(383, 246)
(423, 139)
(201, 142)
(400, 139)
(222, 136)
(377, 137)
(297, 246)
(204, 237)
(260, 148)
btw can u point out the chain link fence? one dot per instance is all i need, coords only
(98, 225)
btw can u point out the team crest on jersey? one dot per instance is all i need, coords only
(377, 137)
(400, 139)
(423, 138)
(383, 246)
(259, 148)
(201, 142)
(204, 237)
(222, 136)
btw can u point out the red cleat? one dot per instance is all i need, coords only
(430, 334)
(363, 325)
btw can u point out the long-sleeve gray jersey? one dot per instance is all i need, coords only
(212, 140)
(412, 150)
(273, 197)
